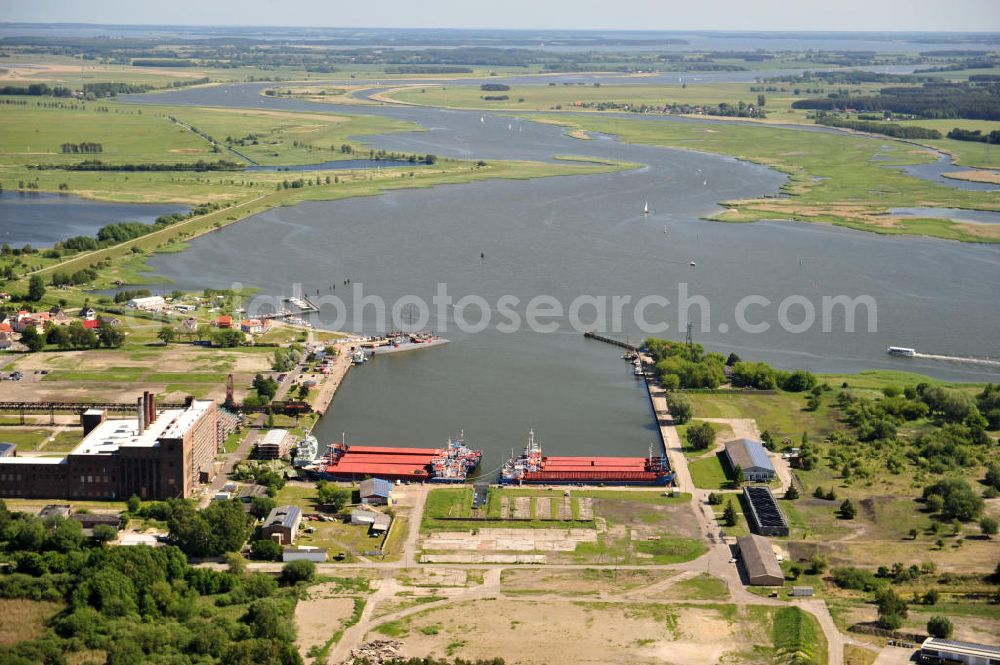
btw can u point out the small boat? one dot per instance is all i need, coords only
(904, 351)
(692, 264)
(358, 357)
(645, 208)
(664, 229)
(704, 183)
(482, 118)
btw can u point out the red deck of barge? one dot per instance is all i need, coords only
(593, 469)
(359, 462)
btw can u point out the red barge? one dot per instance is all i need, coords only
(444, 465)
(533, 468)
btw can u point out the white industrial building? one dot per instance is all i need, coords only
(939, 651)
(148, 304)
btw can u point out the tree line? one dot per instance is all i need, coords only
(98, 165)
(975, 101)
(688, 366)
(975, 135)
(884, 128)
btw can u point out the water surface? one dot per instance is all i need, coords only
(43, 219)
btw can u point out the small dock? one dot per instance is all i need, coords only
(608, 340)
(303, 304)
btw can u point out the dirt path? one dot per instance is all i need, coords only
(416, 497)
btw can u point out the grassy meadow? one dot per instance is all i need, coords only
(835, 178)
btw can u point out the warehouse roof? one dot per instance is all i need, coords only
(274, 437)
(748, 454)
(285, 516)
(759, 559)
(375, 487)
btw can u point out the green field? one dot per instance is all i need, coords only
(637, 526)
(782, 414)
(836, 178)
(708, 473)
(543, 97)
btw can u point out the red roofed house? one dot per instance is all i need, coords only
(91, 324)
(224, 321)
(25, 319)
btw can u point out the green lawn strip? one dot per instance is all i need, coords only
(708, 473)
(796, 634)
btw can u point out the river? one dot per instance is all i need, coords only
(576, 235)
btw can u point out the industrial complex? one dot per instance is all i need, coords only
(155, 455)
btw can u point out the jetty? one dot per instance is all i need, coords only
(609, 340)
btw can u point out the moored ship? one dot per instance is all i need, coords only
(534, 468)
(451, 464)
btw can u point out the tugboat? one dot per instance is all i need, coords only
(456, 463)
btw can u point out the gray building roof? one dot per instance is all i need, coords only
(748, 454)
(759, 560)
(286, 516)
(375, 487)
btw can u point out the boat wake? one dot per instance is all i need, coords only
(962, 359)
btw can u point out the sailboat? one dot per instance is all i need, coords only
(482, 118)
(664, 229)
(645, 208)
(704, 183)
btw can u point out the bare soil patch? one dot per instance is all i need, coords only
(526, 632)
(319, 617)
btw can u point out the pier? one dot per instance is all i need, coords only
(303, 303)
(608, 340)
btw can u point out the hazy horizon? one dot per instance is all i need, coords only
(973, 16)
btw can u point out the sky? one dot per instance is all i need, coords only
(875, 15)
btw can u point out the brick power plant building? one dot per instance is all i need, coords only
(157, 455)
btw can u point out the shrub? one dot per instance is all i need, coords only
(679, 407)
(265, 550)
(297, 571)
(847, 510)
(700, 436)
(957, 499)
(940, 627)
(854, 578)
(988, 525)
(817, 565)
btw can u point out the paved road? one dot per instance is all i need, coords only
(246, 445)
